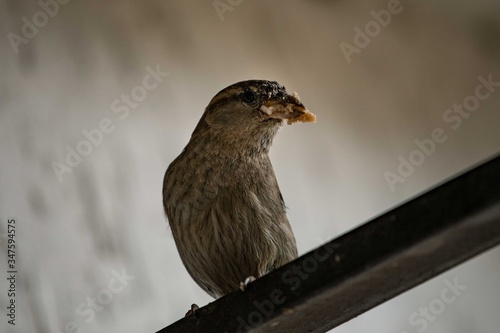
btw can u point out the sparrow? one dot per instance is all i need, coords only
(221, 196)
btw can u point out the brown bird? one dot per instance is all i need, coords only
(221, 197)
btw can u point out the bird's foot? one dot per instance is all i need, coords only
(248, 280)
(192, 311)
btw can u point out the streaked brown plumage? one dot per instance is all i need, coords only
(220, 194)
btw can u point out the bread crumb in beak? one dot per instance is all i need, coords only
(289, 112)
(292, 110)
(306, 117)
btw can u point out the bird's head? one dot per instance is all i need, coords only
(251, 112)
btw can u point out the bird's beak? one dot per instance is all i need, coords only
(290, 108)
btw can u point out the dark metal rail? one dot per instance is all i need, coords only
(368, 265)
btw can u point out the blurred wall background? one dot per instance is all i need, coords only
(94, 253)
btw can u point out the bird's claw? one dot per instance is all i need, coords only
(248, 280)
(192, 311)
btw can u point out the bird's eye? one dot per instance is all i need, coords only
(248, 96)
